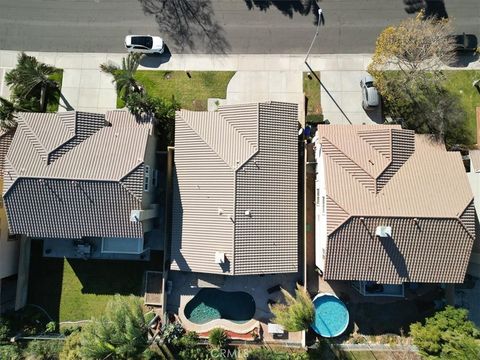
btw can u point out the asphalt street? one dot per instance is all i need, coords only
(209, 26)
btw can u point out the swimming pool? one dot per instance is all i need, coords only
(211, 304)
(331, 315)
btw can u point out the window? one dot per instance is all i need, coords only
(318, 197)
(324, 207)
(146, 179)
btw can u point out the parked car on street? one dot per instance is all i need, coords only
(370, 96)
(465, 43)
(145, 44)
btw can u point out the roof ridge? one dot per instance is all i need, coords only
(253, 148)
(30, 134)
(201, 138)
(345, 156)
(363, 134)
(122, 181)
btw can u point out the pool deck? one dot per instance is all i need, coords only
(186, 285)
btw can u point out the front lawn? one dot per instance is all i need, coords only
(311, 90)
(191, 91)
(460, 83)
(53, 98)
(71, 290)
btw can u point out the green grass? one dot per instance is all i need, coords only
(311, 89)
(53, 98)
(191, 92)
(71, 290)
(460, 83)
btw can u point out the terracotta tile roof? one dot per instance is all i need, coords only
(71, 174)
(386, 176)
(240, 159)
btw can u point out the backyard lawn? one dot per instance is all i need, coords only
(191, 92)
(460, 82)
(71, 290)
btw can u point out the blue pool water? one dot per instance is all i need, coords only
(211, 304)
(331, 316)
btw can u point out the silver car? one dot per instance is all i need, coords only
(370, 96)
(145, 44)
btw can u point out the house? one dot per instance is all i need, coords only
(9, 245)
(392, 208)
(83, 183)
(235, 198)
(474, 179)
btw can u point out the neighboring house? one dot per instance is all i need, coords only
(392, 207)
(83, 183)
(9, 245)
(474, 179)
(235, 199)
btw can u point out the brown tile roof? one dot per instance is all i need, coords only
(386, 176)
(241, 158)
(70, 175)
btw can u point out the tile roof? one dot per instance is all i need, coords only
(236, 189)
(71, 174)
(475, 159)
(386, 176)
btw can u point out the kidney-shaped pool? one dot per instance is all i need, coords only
(211, 304)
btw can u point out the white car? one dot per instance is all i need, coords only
(370, 96)
(144, 44)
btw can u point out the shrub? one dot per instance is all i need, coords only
(172, 332)
(218, 338)
(10, 352)
(71, 347)
(448, 334)
(297, 314)
(43, 350)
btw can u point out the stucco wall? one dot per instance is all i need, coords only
(8, 249)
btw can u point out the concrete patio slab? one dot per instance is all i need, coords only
(87, 98)
(93, 61)
(69, 98)
(107, 99)
(90, 79)
(8, 59)
(71, 78)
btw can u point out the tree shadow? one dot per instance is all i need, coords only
(188, 23)
(45, 281)
(109, 277)
(433, 8)
(288, 7)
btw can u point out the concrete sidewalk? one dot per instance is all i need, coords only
(258, 78)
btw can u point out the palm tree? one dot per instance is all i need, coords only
(29, 75)
(124, 77)
(7, 114)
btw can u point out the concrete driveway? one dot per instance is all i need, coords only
(258, 86)
(341, 92)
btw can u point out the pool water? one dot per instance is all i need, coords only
(331, 316)
(211, 304)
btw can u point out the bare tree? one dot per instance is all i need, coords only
(407, 67)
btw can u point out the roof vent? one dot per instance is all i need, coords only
(248, 213)
(384, 231)
(220, 211)
(219, 257)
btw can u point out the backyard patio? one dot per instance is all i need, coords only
(184, 287)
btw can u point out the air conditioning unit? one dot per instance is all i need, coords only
(383, 231)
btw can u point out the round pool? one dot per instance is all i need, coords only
(331, 315)
(211, 304)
